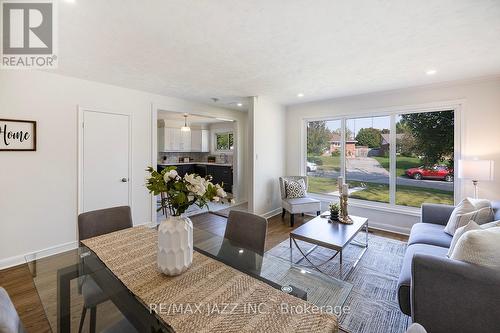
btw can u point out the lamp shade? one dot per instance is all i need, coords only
(475, 169)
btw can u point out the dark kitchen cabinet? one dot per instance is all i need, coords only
(221, 174)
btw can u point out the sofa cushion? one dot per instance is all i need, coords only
(301, 205)
(429, 233)
(404, 281)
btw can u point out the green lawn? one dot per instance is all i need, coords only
(327, 163)
(402, 163)
(405, 195)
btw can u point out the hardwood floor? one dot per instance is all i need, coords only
(19, 283)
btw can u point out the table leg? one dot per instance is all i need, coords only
(366, 231)
(64, 277)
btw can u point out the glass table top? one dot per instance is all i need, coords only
(58, 280)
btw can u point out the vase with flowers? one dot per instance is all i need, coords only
(175, 234)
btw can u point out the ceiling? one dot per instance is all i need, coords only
(231, 49)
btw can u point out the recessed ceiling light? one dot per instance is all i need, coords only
(300, 95)
(240, 104)
(70, 1)
(431, 72)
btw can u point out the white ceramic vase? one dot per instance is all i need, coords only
(175, 245)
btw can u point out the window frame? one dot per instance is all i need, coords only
(223, 132)
(456, 106)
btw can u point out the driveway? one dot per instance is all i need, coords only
(367, 169)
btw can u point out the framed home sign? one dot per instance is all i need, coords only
(17, 135)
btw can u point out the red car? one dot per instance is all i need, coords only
(436, 172)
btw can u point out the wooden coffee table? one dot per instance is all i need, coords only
(335, 236)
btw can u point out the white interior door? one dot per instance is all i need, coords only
(105, 160)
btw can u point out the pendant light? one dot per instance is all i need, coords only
(185, 128)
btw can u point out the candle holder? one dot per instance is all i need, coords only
(344, 215)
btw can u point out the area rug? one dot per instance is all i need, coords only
(373, 300)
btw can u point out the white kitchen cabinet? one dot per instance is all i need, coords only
(185, 141)
(199, 140)
(173, 139)
(205, 144)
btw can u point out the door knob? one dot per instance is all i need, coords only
(124, 180)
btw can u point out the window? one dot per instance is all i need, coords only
(401, 159)
(424, 158)
(224, 141)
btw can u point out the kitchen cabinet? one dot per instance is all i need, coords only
(221, 174)
(199, 140)
(173, 139)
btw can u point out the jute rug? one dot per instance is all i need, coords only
(373, 300)
(131, 255)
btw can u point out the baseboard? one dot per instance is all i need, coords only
(272, 213)
(389, 228)
(21, 259)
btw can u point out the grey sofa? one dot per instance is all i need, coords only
(442, 294)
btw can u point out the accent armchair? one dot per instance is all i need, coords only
(297, 205)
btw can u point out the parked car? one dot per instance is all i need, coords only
(440, 172)
(311, 166)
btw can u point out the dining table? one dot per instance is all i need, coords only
(227, 288)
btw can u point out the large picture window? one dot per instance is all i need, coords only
(403, 159)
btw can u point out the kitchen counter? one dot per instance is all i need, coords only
(194, 163)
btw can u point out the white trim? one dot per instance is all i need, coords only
(154, 155)
(21, 259)
(155, 108)
(272, 213)
(81, 110)
(389, 228)
(392, 162)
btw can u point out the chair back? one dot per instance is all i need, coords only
(9, 319)
(103, 221)
(247, 230)
(287, 178)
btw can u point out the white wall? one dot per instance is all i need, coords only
(480, 128)
(38, 190)
(268, 155)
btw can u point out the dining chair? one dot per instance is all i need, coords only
(247, 230)
(9, 319)
(92, 224)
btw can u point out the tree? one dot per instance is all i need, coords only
(433, 134)
(370, 137)
(318, 138)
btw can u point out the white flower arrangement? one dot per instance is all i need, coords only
(181, 193)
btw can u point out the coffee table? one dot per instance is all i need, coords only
(332, 235)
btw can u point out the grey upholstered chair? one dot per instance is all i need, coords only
(247, 230)
(297, 205)
(92, 224)
(9, 319)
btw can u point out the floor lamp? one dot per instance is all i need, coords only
(475, 170)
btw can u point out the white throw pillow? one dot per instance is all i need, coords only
(459, 232)
(480, 203)
(416, 328)
(295, 188)
(480, 247)
(490, 225)
(464, 212)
